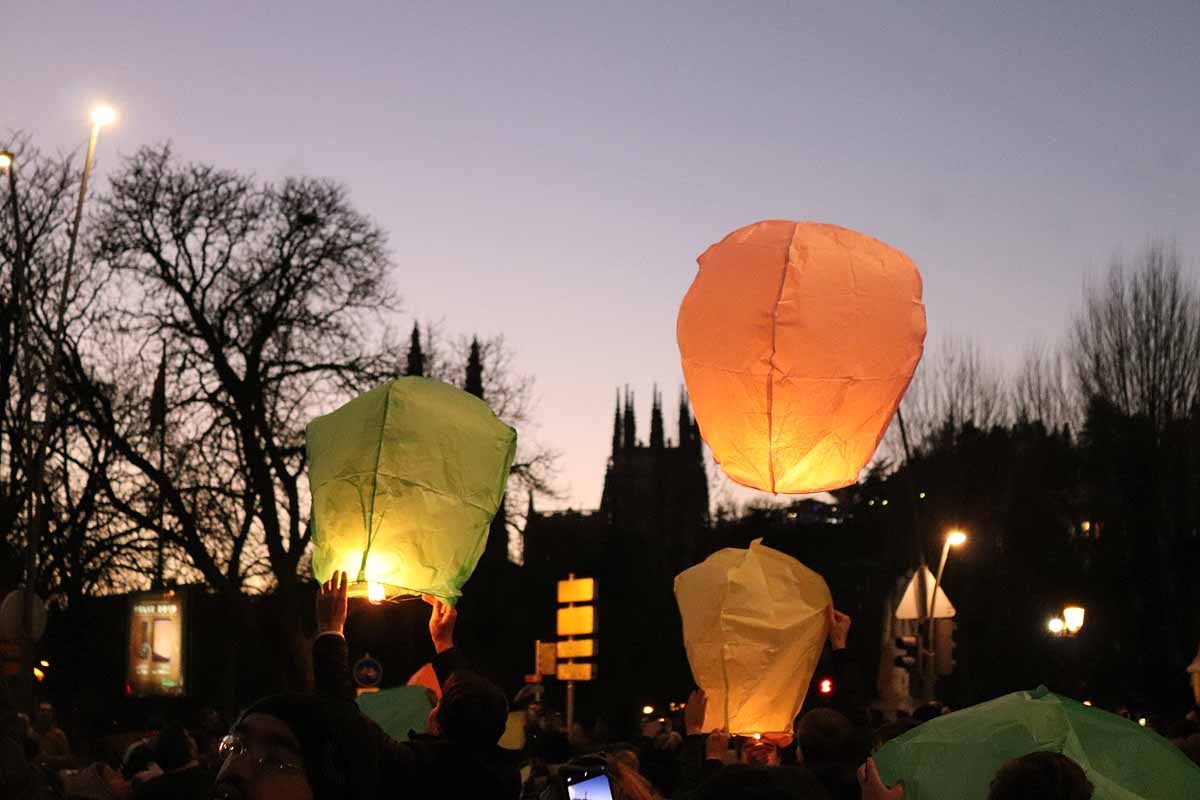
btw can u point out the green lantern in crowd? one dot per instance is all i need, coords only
(405, 480)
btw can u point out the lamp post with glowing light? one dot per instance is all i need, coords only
(8, 163)
(101, 115)
(1069, 624)
(954, 538)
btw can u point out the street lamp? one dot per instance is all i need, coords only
(1069, 624)
(103, 114)
(954, 538)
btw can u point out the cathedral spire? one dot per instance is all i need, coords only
(629, 426)
(685, 418)
(473, 383)
(616, 436)
(656, 420)
(416, 356)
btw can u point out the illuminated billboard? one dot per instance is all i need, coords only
(157, 621)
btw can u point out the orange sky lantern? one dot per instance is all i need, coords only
(798, 340)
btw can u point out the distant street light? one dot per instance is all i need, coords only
(6, 159)
(1055, 626)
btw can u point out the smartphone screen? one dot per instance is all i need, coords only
(590, 789)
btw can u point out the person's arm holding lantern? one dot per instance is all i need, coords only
(332, 678)
(442, 618)
(701, 755)
(331, 654)
(848, 696)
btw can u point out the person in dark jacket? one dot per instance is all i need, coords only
(298, 747)
(460, 756)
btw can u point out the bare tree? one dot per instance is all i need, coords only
(1042, 390)
(1136, 343)
(80, 547)
(270, 301)
(955, 388)
(1135, 353)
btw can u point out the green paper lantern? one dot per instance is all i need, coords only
(955, 757)
(405, 480)
(399, 709)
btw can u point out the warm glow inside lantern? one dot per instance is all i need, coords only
(754, 625)
(405, 480)
(798, 340)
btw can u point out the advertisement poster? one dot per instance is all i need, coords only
(156, 650)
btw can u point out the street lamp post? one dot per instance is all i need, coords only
(954, 538)
(101, 115)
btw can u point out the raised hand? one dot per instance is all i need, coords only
(331, 604)
(872, 785)
(716, 745)
(693, 713)
(442, 617)
(839, 627)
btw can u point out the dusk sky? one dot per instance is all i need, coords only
(550, 171)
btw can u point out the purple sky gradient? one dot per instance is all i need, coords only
(550, 171)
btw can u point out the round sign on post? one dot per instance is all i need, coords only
(12, 616)
(368, 672)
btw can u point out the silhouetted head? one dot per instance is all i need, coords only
(1040, 776)
(472, 711)
(825, 736)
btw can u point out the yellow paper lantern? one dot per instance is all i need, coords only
(798, 340)
(754, 625)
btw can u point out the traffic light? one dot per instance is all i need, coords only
(825, 686)
(906, 651)
(943, 634)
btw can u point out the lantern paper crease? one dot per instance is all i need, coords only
(405, 481)
(798, 340)
(754, 625)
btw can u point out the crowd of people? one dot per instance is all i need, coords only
(319, 746)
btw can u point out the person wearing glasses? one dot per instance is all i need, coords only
(297, 747)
